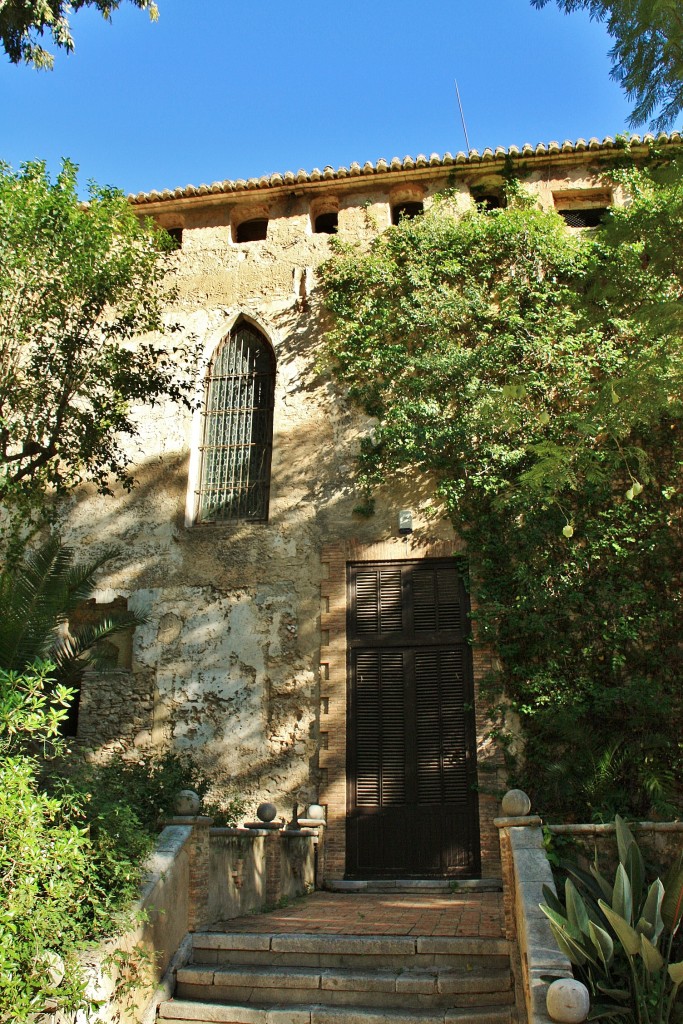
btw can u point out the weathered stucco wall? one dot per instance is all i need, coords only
(228, 662)
(250, 872)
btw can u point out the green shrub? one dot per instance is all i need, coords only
(45, 854)
(72, 844)
(147, 785)
(622, 937)
(122, 803)
(228, 812)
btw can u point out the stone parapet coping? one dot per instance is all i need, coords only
(189, 819)
(609, 827)
(529, 821)
(224, 830)
(168, 846)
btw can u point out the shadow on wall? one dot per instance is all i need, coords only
(313, 487)
(227, 665)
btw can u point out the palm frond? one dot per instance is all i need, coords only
(31, 599)
(39, 595)
(74, 652)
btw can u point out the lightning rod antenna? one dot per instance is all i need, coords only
(462, 116)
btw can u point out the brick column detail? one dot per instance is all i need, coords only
(508, 876)
(198, 912)
(273, 857)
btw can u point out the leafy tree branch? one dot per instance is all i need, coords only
(79, 284)
(23, 23)
(647, 56)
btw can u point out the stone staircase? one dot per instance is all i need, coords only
(294, 978)
(417, 886)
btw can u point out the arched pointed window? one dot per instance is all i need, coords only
(238, 428)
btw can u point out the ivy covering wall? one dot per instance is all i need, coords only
(536, 374)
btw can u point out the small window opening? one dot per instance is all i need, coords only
(177, 236)
(252, 230)
(489, 201)
(407, 210)
(586, 218)
(115, 652)
(326, 223)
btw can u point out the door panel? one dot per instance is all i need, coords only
(380, 730)
(442, 769)
(411, 761)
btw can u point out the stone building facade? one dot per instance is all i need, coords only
(246, 650)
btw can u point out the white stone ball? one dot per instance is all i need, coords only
(568, 1001)
(515, 804)
(187, 802)
(266, 812)
(52, 965)
(316, 812)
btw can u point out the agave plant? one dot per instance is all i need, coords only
(38, 598)
(620, 937)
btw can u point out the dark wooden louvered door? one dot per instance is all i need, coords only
(411, 743)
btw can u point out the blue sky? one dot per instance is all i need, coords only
(217, 89)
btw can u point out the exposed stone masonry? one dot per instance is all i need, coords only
(242, 659)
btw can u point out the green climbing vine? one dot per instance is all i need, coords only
(536, 374)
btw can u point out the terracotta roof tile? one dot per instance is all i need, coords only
(395, 165)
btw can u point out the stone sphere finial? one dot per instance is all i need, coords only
(187, 802)
(567, 1001)
(515, 804)
(51, 966)
(316, 812)
(266, 812)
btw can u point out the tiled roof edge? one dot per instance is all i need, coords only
(472, 159)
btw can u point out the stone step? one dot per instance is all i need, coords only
(184, 1011)
(366, 952)
(417, 989)
(414, 885)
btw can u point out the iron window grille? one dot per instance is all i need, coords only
(588, 217)
(238, 429)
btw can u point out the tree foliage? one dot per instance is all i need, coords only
(24, 22)
(78, 282)
(647, 57)
(536, 374)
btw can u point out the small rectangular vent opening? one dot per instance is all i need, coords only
(326, 223)
(406, 210)
(591, 217)
(252, 230)
(177, 236)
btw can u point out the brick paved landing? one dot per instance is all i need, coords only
(470, 915)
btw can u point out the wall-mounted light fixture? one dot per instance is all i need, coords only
(405, 522)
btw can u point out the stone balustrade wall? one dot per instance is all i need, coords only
(250, 870)
(197, 876)
(659, 842)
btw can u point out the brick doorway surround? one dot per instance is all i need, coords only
(333, 695)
